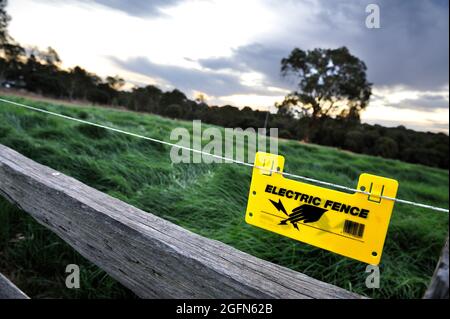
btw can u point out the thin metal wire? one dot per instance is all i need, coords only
(229, 160)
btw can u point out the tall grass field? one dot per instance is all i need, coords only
(208, 199)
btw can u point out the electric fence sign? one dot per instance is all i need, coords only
(352, 225)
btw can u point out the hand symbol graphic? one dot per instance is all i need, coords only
(306, 213)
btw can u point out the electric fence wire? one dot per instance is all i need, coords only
(226, 159)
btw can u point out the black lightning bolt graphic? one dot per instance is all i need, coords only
(279, 206)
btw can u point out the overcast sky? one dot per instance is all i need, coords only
(231, 50)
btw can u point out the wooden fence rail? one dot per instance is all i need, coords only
(9, 291)
(149, 255)
(438, 288)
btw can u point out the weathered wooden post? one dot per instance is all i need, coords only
(438, 288)
(9, 291)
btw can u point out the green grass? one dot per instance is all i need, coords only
(207, 199)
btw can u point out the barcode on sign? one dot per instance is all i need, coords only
(353, 228)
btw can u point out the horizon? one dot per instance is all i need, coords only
(233, 62)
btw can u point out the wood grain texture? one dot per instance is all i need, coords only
(438, 288)
(149, 255)
(9, 291)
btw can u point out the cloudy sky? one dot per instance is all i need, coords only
(231, 50)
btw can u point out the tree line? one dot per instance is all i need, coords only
(332, 91)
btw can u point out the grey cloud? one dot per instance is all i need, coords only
(140, 8)
(410, 48)
(253, 57)
(424, 102)
(208, 81)
(441, 127)
(429, 126)
(221, 63)
(137, 8)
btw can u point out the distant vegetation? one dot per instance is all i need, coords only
(325, 110)
(209, 199)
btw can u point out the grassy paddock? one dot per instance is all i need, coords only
(207, 199)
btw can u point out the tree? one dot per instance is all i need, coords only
(145, 98)
(50, 57)
(200, 98)
(173, 97)
(4, 20)
(115, 82)
(330, 82)
(386, 147)
(9, 48)
(173, 111)
(80, 82)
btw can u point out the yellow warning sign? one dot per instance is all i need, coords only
(352, 225)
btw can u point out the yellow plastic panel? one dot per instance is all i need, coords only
(352, 225)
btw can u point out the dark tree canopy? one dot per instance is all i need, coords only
(9, 49)
(4, 20)
(330, 82)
